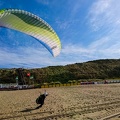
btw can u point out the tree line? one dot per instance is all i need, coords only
(97, 69)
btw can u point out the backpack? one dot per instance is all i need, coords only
(40, 99)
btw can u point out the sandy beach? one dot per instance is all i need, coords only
(87, 102)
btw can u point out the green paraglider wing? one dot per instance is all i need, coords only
(32, 25)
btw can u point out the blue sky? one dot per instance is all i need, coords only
(88, 30)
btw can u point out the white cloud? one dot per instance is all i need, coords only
(104, 20)
(101, 43)
(32, 58)
(74, 49)
(24, 56)
(62, 24)
(104, 13)
(103, 48)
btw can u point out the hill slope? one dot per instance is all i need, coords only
(97, 69)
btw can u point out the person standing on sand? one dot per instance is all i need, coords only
(40, 99)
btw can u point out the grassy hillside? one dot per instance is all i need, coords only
(98, 69)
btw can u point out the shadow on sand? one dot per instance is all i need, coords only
(28, 110)
(31, 109)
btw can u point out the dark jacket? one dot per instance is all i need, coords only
(40, 99)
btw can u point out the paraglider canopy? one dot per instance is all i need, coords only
(32, 25)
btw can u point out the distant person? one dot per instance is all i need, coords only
(40, 99)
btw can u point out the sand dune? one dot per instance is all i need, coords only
(88, 102)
